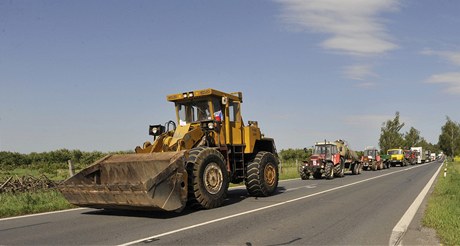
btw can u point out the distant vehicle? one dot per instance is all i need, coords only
(397, 157)
(371, 159)
(332, 159)
(433, 156)
(427, 156)
(418, 154)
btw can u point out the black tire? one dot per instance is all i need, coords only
(317, 175)
(208, 178)
(354, 168)
(304, 175)
(339, 171)
(329, 170)
(262, 175)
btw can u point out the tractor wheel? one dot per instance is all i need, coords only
(338, 171)
(262, 175)
(317, 175)
(354, 168)
(208, 178)
(304, 175)
(329, 170)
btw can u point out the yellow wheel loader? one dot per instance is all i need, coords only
(191, 162)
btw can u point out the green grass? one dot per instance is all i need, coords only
(289, 170)
(443, 209)
(29, 203)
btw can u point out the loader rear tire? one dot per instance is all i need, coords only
(329, 171)
(208, 178)
(262, 175)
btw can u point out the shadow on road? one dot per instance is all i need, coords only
(234, 196)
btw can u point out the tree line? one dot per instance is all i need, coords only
(391, 137)
(10, 160)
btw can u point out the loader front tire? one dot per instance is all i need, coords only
(208, 178)
(262, 175)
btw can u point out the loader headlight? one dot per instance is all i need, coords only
(156, 130)
(209, 125)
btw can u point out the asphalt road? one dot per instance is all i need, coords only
(357, 209)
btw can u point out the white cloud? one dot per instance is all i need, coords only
(359, 72)
(451, 56)
(354, 25)
(366, 85)
(452, 80)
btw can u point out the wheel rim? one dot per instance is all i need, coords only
(213, 178)
(269, 174)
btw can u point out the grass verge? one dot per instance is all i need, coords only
(30, 203)
(443, 210)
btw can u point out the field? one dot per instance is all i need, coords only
(443, 210)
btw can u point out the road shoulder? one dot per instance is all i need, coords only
(416, 233)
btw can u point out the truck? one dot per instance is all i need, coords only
(397, 157)
(371, 159)
(331, 159)
(418, 152)
(189, 162)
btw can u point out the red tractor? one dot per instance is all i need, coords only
(331, 159)
(371, 159)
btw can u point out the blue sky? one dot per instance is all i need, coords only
(92, 75)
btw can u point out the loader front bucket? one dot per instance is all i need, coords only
(156, 181)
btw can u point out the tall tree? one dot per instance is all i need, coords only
(412, 138)
(390, 137)
(449, 140)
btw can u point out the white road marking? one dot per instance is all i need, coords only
(401, 227)
(155, 237)
(39, 214)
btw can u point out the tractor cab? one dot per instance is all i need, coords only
(325, 150)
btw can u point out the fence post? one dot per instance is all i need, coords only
(71, 168)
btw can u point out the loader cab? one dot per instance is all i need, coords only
(211, 106)
(196, 111)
